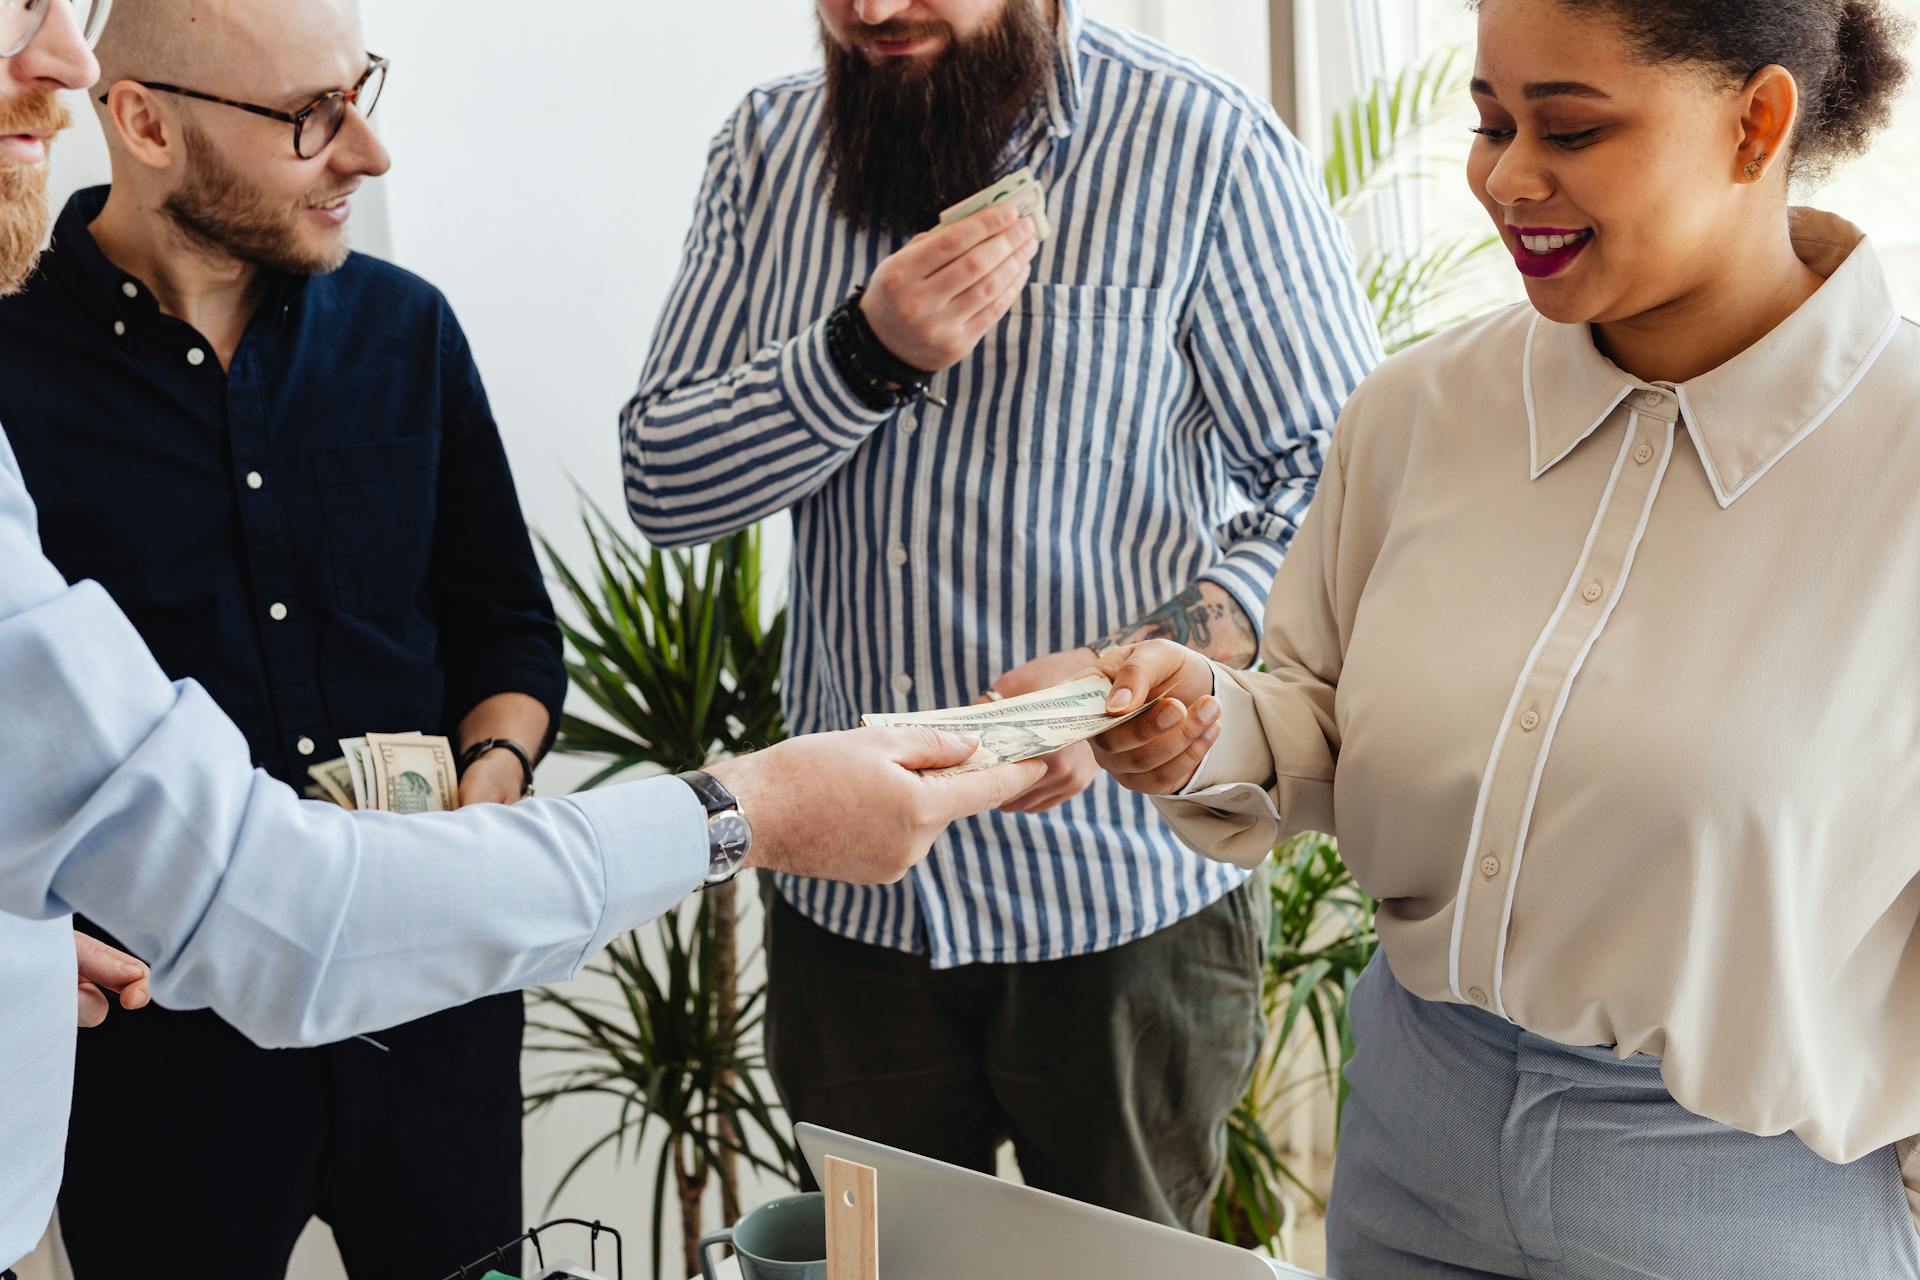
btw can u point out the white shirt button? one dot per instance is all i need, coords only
(1529, 721)
(277, 611)
(1476, 995)
(255, 480)
(908, 426)
(1643, 454)
(1489, 866)
(304, 746)
(196, 357)
(898, 556)
(119, 328)
(1592, 592)
(129, 288)
(1650, 399)
(903, 683)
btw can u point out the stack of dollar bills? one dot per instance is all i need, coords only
(390, 772)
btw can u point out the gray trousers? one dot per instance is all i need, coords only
(1472, 1148)
(1113, 1074)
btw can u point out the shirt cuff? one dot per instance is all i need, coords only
(1241, 754)
(653, 844)
(820, 396)
(1247, 575)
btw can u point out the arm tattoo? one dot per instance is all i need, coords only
(1211, 623)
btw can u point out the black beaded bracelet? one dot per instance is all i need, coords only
(880, 379)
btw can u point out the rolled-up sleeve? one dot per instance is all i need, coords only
(496, 619)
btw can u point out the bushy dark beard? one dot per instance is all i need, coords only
(220, 212)
(906, 140)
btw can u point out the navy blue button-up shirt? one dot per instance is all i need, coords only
(325, 536)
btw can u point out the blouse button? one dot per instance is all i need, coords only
(1489, 866)
(119, 328)
(129, 288)
(1529, 721)
(1650, 399)
(903, 683)
(1644, 454)
(1592, 592)
(277, 611)
(304, 746)
(196, 357)
(1476, 995)
(255, 480)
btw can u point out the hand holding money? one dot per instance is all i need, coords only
(392, 773)
(1028, 727)
(1159, 753)
(932, 302)
(1071, 770)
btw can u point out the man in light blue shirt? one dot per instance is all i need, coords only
(133, 799)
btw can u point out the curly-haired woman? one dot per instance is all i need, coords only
(1599, 651)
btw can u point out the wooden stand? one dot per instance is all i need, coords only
(853, 1221)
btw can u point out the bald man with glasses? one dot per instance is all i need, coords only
(278, 460)
(326, 536)
(133, 798)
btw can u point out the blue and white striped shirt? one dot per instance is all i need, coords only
(1153, 412)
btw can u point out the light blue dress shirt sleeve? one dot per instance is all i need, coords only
(132, 799)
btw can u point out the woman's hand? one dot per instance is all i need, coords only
(1158, 753)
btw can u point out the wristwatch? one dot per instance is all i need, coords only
(729, 834)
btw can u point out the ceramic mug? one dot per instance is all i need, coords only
(784, 1239)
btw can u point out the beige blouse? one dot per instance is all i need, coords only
(1611, 692)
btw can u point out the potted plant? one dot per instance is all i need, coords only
(673, 652)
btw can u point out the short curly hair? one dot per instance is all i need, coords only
(1846, 54)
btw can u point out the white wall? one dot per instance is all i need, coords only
(545, 170)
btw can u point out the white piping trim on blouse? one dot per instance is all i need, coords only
(1720, 492)
(1560, 705)
(1533, 418)
(1513, 705)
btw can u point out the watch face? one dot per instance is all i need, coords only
(731, 833)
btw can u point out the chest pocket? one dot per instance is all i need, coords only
(379, 502)
(1091, 371)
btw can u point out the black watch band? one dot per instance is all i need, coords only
(729, 834)
(485, 745)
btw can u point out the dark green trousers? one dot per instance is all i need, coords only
(1112, 1074)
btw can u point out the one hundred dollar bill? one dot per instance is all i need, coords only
(1023, 728)
(412, 773)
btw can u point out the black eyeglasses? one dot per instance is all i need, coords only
(315, 125)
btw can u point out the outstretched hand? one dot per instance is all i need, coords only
(1158, 753)
(853, 806)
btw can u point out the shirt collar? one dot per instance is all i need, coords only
(1064, 89)
(77, 262)
(1748, 413)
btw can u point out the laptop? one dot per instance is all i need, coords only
(939, 1222)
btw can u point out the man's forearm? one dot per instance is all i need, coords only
(515, 716)
(1204, 618)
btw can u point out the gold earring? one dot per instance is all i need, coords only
(1753, 167)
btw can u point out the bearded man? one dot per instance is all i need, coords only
(278, 458)
(1002, 455)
